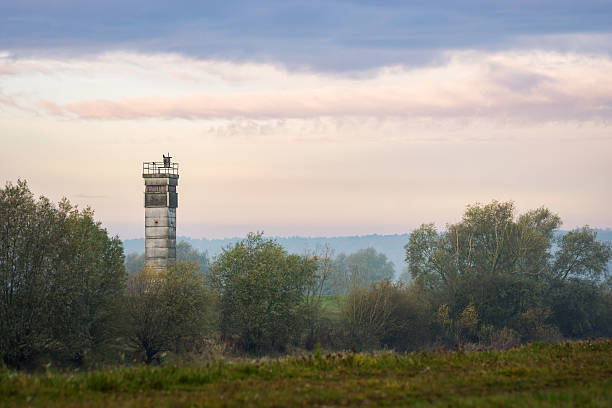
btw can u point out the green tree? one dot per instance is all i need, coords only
(134, 262)
(361, 269)
(90, 281)
(60, 278)
(579, 308)
(166, 310)
(185, 252)
(312, 310)
(261, 291)
(581, 255)
(367, 266)
(29, 259)
(504, 265)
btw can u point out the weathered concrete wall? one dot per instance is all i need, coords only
(160, 222)
(156, 181)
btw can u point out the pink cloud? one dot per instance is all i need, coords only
(547, 103)
(528, 85)
(51, 108)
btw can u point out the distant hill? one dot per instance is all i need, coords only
(390, 245)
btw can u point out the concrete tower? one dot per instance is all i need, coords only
(161, 200)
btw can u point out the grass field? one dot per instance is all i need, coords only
(572, 374)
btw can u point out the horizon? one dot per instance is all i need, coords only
(178, 237)
(304, 118)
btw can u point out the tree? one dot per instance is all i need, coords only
(29, 257)
(581, 255)
(134, 263)
(423, 255)
(89, 282)
(503, 265)
(60, 278)
(166, 309)
(314, 290)
(185, 252)
(368, 266)
(361, 269)
(261, 290)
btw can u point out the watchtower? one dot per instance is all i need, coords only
(160, 201)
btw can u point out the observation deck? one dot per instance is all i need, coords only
(160, 169)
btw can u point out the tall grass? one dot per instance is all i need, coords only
(535, 375)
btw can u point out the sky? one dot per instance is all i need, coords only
(311, 118)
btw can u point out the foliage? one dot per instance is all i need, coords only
(535, 326)
(261, 290)
(570, 374)
(460, 328)
(492, 280)
(582, 256)
(507, 268)
(360, 269)
(579, 308)
(166, 309)
(134, 263)
(388, 315)
(369, 314)
(312, 305)
(415, 325)
(60, 279)
(185, 252)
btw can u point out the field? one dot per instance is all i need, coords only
(570, 374)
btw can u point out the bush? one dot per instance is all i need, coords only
(368, 314)
(414, 310)
(387, 315)
(536, 328)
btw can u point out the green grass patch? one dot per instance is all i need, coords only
(571, 374)
(331, 304)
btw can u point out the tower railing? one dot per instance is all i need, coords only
(159, 169)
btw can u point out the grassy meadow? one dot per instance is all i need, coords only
(569, 374)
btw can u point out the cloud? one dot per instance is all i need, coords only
(7, 101)
(326, 35)
(513, 85)
(10, 103)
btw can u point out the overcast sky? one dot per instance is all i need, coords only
(310, 117)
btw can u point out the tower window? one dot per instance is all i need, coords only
(156, 189)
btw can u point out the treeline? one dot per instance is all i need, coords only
(392, 246)
(493, 280)
(362, 268)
